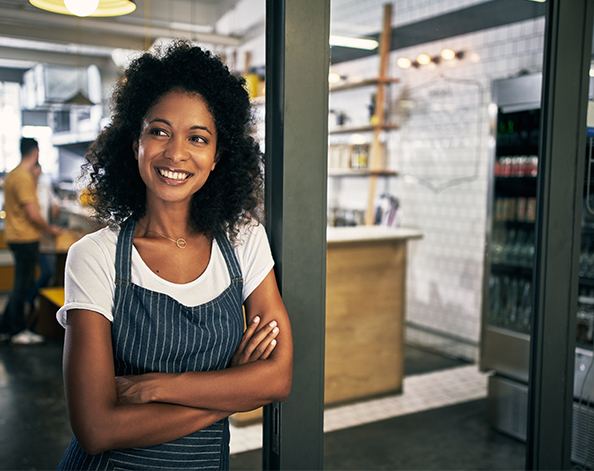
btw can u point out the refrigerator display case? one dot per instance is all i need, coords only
(509, 268)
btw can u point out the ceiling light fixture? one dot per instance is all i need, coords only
(403, 62)
(426, 59)
(85, 7)
(423, 58)
(333, 77)
(81, 8)
(356, 43)
(447, 54)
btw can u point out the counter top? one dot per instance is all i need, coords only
(370, 233)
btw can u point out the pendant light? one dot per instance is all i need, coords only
(86, 7)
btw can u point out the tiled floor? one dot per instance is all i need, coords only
(420, 393)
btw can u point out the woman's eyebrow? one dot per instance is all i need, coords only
(161, 120)
(204, 128)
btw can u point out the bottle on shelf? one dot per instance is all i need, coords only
(513, 247)
(516, 166)
(510, 302)
(359, 156)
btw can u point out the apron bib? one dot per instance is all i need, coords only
(152, 332)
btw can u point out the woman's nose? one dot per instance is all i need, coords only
(175, 150)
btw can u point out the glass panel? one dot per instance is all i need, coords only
(514, 212)
(460, 159)
(582, 451)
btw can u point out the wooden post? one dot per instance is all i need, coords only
(380, 111)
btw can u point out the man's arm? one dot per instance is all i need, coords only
(32, 211)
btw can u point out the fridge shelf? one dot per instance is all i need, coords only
(588, 229)
(515, 224)
(587, 281)
(515, 186)
(513, 270)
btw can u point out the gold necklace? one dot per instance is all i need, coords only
(180, 242)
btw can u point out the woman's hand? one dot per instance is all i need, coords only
(256, 344)
(137, 389)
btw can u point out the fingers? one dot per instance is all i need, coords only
(249, 332)
(262, 340)
(268, 350)
(256, 343)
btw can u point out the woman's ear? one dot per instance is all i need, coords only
(135, 148)
(216, 159)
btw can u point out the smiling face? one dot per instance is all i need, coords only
(177, 148)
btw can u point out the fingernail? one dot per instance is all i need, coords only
(256, 319)
(273, 342)
(275, 330)
(272, 324)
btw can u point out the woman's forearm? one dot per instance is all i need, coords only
(99, 420)
(139, 425)
(236, 389)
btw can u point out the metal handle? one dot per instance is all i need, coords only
(590, 210)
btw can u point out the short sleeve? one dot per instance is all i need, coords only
(25, 189)
(254, 256)
(89, 279)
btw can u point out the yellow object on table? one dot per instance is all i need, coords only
(50, 300)
(55, 295)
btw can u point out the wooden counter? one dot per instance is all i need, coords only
(365, 311)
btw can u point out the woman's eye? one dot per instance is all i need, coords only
(199, 139)
(157, 132)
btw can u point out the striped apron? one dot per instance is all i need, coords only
(152, 332)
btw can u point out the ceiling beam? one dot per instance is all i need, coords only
(17, 55)
(105, 32)
(67, 36)
(478, 17)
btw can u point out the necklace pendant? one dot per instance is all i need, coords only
(181, 243)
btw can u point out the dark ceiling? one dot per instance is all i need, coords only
(467, 20)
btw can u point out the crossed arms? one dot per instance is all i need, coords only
(108, 412)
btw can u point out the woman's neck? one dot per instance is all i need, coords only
(171, 220)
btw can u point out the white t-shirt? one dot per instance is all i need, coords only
(90, 272)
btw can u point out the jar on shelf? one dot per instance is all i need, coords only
(360, 156)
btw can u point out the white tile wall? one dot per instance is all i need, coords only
(445, 137)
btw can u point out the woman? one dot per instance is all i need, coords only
(154, 358)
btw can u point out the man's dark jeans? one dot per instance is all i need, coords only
(25, 259)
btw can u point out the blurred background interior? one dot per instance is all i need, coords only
(432, 164)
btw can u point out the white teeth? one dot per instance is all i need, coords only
(173, 175)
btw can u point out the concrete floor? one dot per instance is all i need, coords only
(34, 428)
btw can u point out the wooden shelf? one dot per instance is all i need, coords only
(380, 82)
(366, 128)
(362, 83)
(349, 172)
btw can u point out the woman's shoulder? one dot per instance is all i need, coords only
(248, 233)
(102, 241)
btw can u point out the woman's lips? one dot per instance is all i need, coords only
(176, 175)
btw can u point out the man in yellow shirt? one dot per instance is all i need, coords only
(23, 227)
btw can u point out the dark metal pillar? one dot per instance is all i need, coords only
(297, 62)
(568, 43)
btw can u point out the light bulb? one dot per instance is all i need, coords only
(81, 7)
(448, 54)
(333, 77)
(403, 62)
(423, 59)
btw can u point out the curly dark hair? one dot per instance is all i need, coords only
(232, 194)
